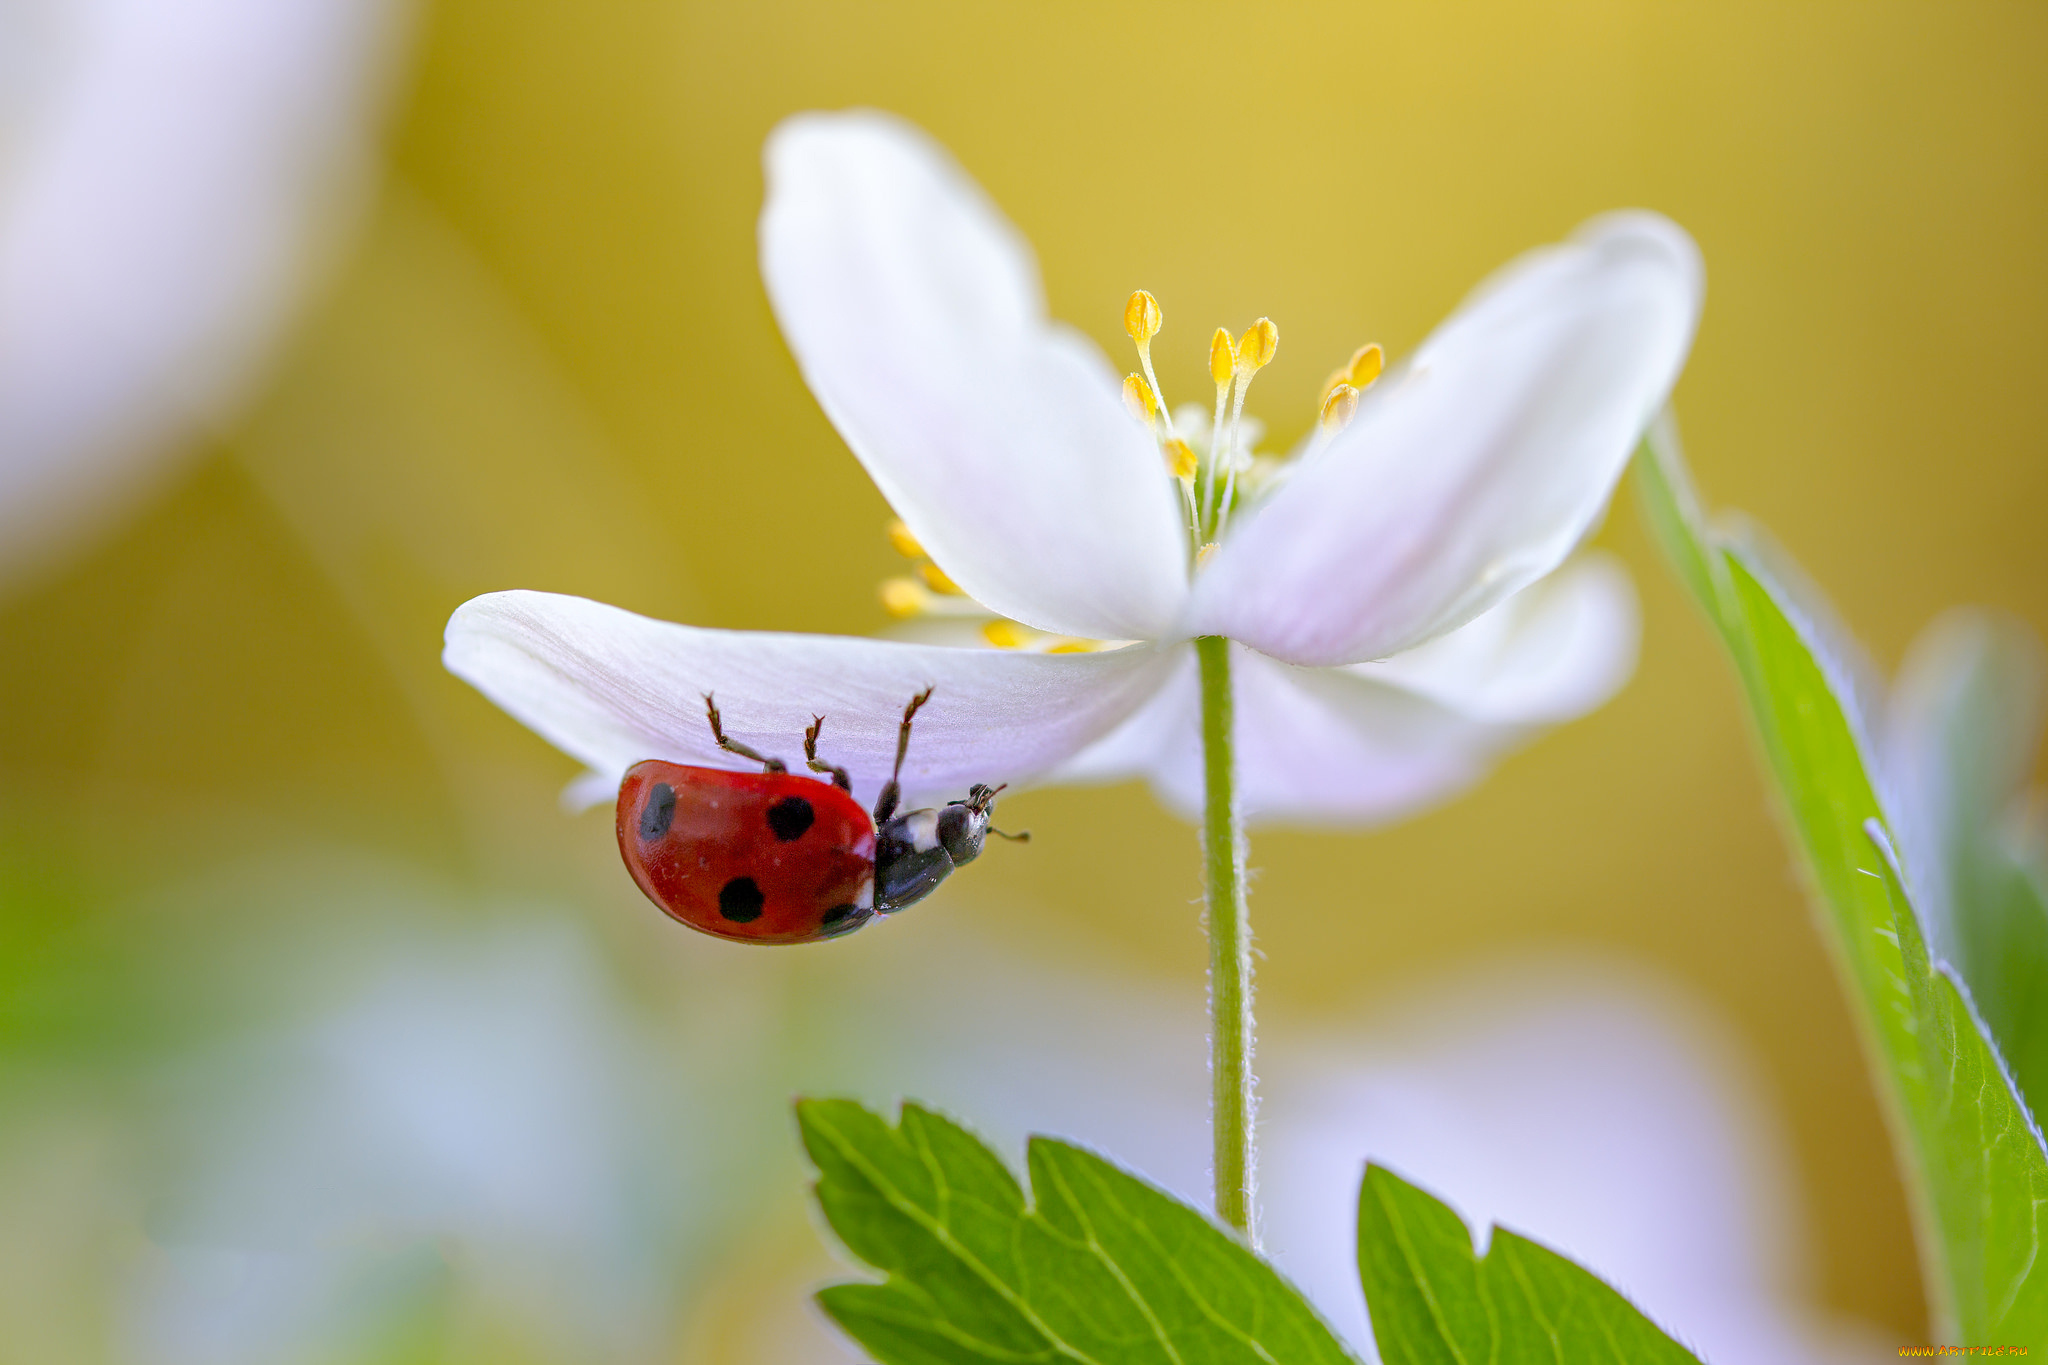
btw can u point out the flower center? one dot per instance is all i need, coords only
(1213, 460)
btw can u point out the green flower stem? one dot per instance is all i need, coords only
(1230, 946)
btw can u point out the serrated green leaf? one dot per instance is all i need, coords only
(1435, 1301)
(1974, 1164)
(1104, 1269)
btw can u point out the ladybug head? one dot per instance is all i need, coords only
(963, 825)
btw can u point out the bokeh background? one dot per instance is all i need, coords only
(325, 1035)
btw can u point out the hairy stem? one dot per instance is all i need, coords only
(1230, 947)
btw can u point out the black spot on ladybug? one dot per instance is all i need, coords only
(740, 900)
(658, 812)
(790, 817)
(840, 912)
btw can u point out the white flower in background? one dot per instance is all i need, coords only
(167, 174)
(1379, 581)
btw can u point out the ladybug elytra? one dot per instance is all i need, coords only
(774, 857)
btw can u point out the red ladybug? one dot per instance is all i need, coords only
(771, 857)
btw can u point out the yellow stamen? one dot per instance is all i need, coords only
(1142, 317)
(1205, 554)
(1180, 458)
(904, 542)
(1359, 372)
(903, 597)
(1222, 357)
(1072, 647)
(935, 578)
(1008, 634)
(1139, 401)
(1339, 408)
(1255, 352)
(1366, 364)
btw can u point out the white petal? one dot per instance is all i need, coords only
(611, 688)
(1481, 464)
(914, 311)
(1555, 650)
(1315, 746)
(172, 173)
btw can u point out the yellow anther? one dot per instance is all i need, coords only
(1142, 317)
(1180, 458)
(1255, 351)
(1339, 408)
(1072, 647)
(903, 597)
(1359, 372)
(1138, 398)
(1008, 634)
(904, 542)
(935, 578)
(1205, 554)
(1222, 357)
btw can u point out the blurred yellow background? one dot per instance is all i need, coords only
(545, 360)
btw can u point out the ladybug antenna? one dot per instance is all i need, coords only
(982, 799)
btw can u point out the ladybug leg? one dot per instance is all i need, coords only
(892, 791)
(733, 746)
(839, 777)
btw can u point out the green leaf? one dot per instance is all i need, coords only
(1974, 1163)
(1961, 732)
(1986, 1172)
(1105, 1268)
(1435, 1301)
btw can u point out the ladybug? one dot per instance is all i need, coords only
(774, 857)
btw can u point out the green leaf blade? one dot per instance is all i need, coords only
(1105, 1269)
(886, 1202)
(1436, 1301)
(1963, 726)
(1209, 1296)
(1421, 1276)
(1988, 1182)
(1974, 1163)
(1571, 1314)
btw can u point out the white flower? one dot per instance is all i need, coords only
(1379, 583)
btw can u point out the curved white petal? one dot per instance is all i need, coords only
(1555, 650)
(1315, 746)
(1476, 469)
(170, 172)
(914, 311)
(611, 688)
